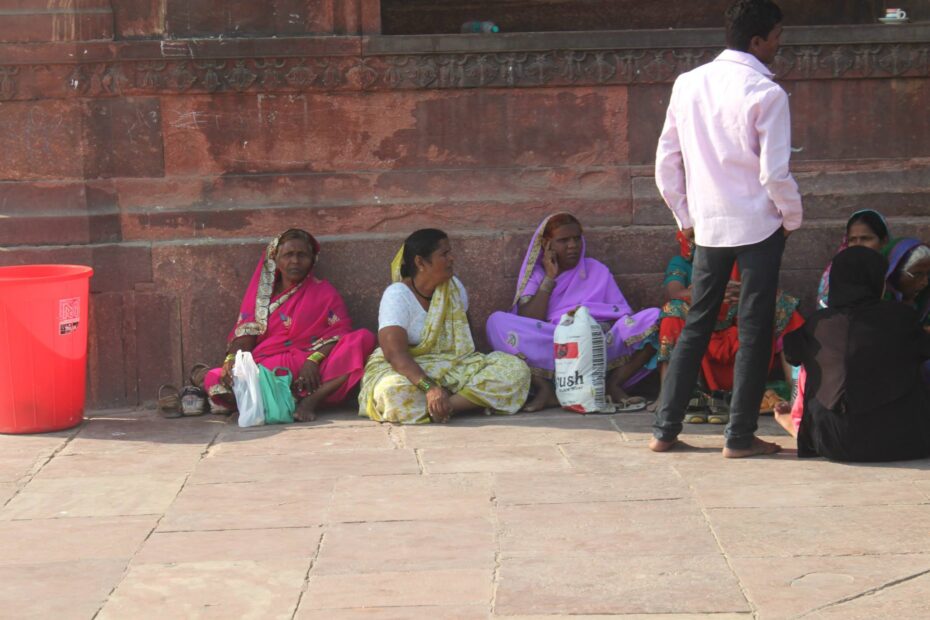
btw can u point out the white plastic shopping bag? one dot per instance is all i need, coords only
(580, 362)
(247, 390)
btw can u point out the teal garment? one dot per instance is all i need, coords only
(678, 270)
(276, 395)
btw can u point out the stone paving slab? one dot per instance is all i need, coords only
(74, 539)
(439, 588)
(625, 483)
(550, 515)
(250, 589)
(792, 587)
(90, 496)
(617, 584)
(422, 612)
(393, 546)
(302, 465)
(827, 530)
(75, 589)
(412, 498)
(660, 528)
(301, 438)
(470, 459)
(249, 505)
(300, 543)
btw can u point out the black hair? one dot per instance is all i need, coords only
(746, 19)
(873, 220)
(421, 243)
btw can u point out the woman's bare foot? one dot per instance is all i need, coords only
(306, 410)
(783, 417)
(545, 395)
(758, 448)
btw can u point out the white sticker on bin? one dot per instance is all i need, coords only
(69, 315)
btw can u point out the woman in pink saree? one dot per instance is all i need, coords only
(290, 318)
(556, 277)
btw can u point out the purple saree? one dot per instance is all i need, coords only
(589, 284)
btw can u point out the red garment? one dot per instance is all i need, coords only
(717, 364)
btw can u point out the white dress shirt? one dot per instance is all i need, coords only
(722, 159)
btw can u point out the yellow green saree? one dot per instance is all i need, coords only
(497, 381)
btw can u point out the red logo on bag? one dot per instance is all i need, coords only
(566, 351)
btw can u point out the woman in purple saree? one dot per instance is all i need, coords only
(556, 277)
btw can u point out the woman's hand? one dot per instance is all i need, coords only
(226, 375)
(438, 405)
(550, 262)
(309, 379)
(731, 296)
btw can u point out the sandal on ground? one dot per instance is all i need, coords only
(198, 374)
(628, 405)
(193, 401)
(169, 402)
(218, 408)
(697, 410)
(719, 408)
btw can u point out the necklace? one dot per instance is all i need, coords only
(430, 298)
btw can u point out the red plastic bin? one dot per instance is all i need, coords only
(43, 346)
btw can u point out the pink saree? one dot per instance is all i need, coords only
(589, 284)
(295, 323)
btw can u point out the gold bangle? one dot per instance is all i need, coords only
(229, 357)
(316, 357)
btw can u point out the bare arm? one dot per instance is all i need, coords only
(677, 290)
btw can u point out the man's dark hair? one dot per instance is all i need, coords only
(746, 19)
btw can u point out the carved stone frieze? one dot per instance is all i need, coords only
(439, 71)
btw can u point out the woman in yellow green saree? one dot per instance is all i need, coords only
(426, 368)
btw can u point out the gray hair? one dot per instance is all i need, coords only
(918, 254)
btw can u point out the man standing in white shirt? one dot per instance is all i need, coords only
(722, 168)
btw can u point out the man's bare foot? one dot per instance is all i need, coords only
(758, 448)
(657, 445)
(783, 417)
(545, 395)
(306, 411)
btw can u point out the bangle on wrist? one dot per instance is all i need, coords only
(316, 357)
(425, 384)
(547, 284)
(229, 357)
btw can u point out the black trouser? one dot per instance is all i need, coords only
(758, 265)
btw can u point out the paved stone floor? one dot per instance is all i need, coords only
(532, 516)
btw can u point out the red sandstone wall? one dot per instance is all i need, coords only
(167, 165)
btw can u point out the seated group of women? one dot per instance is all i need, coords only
(426, 368)
(862, 388)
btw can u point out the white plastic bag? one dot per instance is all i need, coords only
(247, 390)
(580, 363)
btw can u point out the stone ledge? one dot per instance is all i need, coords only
(431, 62)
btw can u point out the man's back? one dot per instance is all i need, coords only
(731, 124)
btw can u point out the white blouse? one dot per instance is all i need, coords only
(400, 308)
